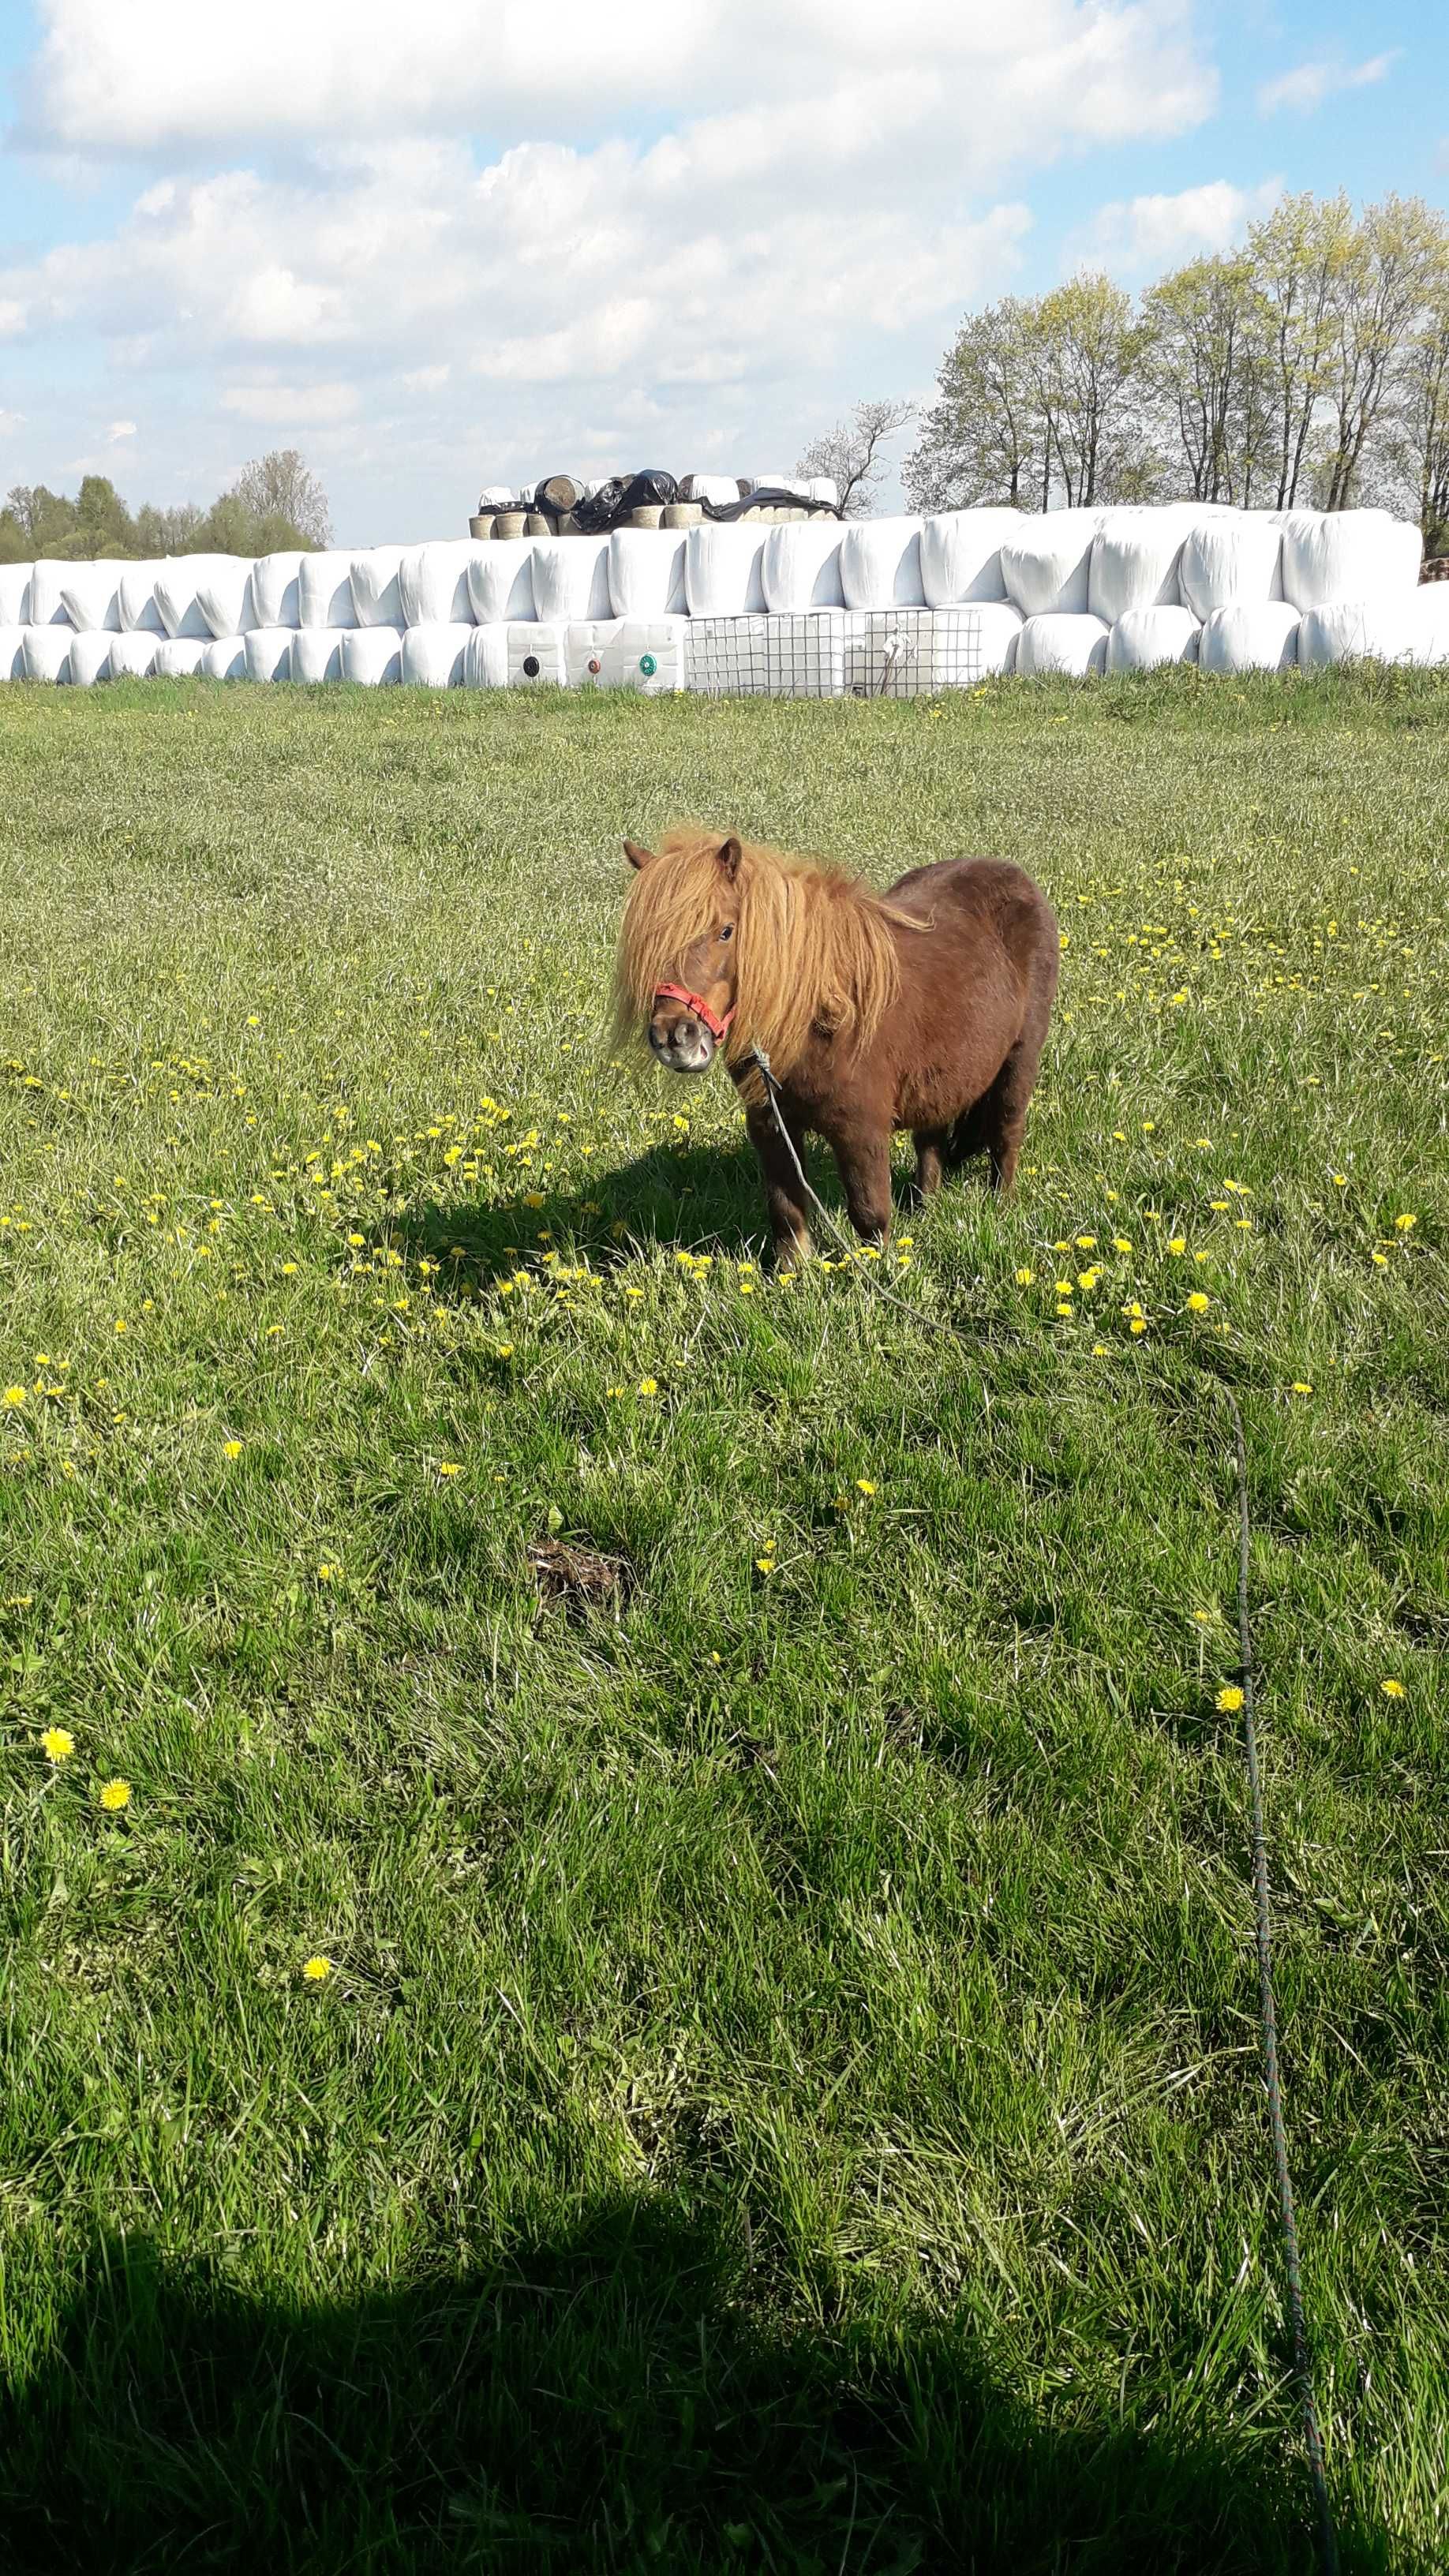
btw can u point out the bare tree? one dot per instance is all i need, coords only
(852, 454)
(279, 486)
(1379, 293)
(1420, 437)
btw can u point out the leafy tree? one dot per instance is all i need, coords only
(982, 439)
(1087, 349)
(853, 454)
(279, 487)
(1380, 290)
(275, 506)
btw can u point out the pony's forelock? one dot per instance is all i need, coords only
(813, 947)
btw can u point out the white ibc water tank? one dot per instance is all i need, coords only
(1252, 635)
(537, 653)
(1413, 630)
(723, 575)
(372, 655)
(224, 658)
(647, 655)
(646, 572)
(1230, 559)
(485, 658)
(585, 642)
(500, 581)
(1134, 563)
(1350, 554)
(224, 595)
(12, 652)
(324, 591)
(317, 653)
(961, 555)
(47, 652)
(90, 596)
(269, 652)
(968, 644)
(800, 567)
(759, 656)
(376, 596)
(432, 656)
(880, 564)
(178, 593)
(1142, 639)
(179, 657)
(1063, 640)
(90, 657)
(1047, 562)
(571, 579)
(275, 589)
(14, 595)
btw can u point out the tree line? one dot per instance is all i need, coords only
(274, 506)
(1309, 367)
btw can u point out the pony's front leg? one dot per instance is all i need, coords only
(863, 1159)
(783, 1194)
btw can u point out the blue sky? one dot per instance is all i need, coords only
(400, 242)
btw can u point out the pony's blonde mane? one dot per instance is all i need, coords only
(813, 946)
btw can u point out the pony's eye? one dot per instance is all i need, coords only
(728, 931)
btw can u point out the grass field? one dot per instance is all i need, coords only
(784, 2091)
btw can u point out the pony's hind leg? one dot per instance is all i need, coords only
(933, 1148)
(998, 1119)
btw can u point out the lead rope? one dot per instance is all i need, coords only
(1327, 2537)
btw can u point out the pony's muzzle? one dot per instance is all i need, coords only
(679, 1041)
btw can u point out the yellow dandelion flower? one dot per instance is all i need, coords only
(1024, 1278)
(356, 1241)
(1137, 1325)
(1230, 1700)
(57, 1744)
(504, 1350)
(316, 1968)
(14, 1395)
(1380, 1260)
(1198, 1303)
(649, 1386)
(328, 1572)
(863, 1485)
(764, 1565)
(1121, 1243)
(231, 1448)
(449, 1467)
(1405, 1223)
(1340, 1180)
(115, 1794)
(1086, 1243)
(1177, 1245)
(1100, 1351)
(1065, 1309)
(1392, 1690)
(1302, 1386)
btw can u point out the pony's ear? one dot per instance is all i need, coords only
(730, 855)
(636, 857)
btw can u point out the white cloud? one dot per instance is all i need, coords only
(118, 430)
(426, 380)
(11, 420)
(291, 406)
(1135, 235)
(1306, 88)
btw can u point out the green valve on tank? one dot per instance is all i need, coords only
(648, 665)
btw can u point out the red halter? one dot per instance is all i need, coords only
(676, 993)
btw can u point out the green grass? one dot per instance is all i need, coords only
(787, 2095)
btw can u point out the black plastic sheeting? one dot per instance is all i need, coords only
(653, 489)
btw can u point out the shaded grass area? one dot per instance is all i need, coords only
(784, 2091)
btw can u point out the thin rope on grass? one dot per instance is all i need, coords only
(1297, 2321)
(1327, 2537)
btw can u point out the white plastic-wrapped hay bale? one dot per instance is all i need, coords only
(372, 655)
(269, 652)
(224, 595)
(645, 572)
(723, 569)
(1134, 563)
(324, 591)
(224, 658)
(179, 657)
(1142, 639)
(432, 656)
(140, 610)
(12, 652)
(1413, 630)
(317, 653)
(823, 488)
(1071, 641)
(496, 496)
(47, 601)
(177, 590)
(90, 596)
(485, 658)
(90, 657)
(721, 489)
(376, 595)
(646, 654)
(500, 581)
(800, 567)
(1046, 563)
(276, 590)
(880, 564)
(585, 643)
(537, 653)
(1250, 635)
(47, 652)
(1231, 559)
(571, 579)
(1350, 554)
(14, 595)
(961, 555)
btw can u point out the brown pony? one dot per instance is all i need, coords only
(925, 1008)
